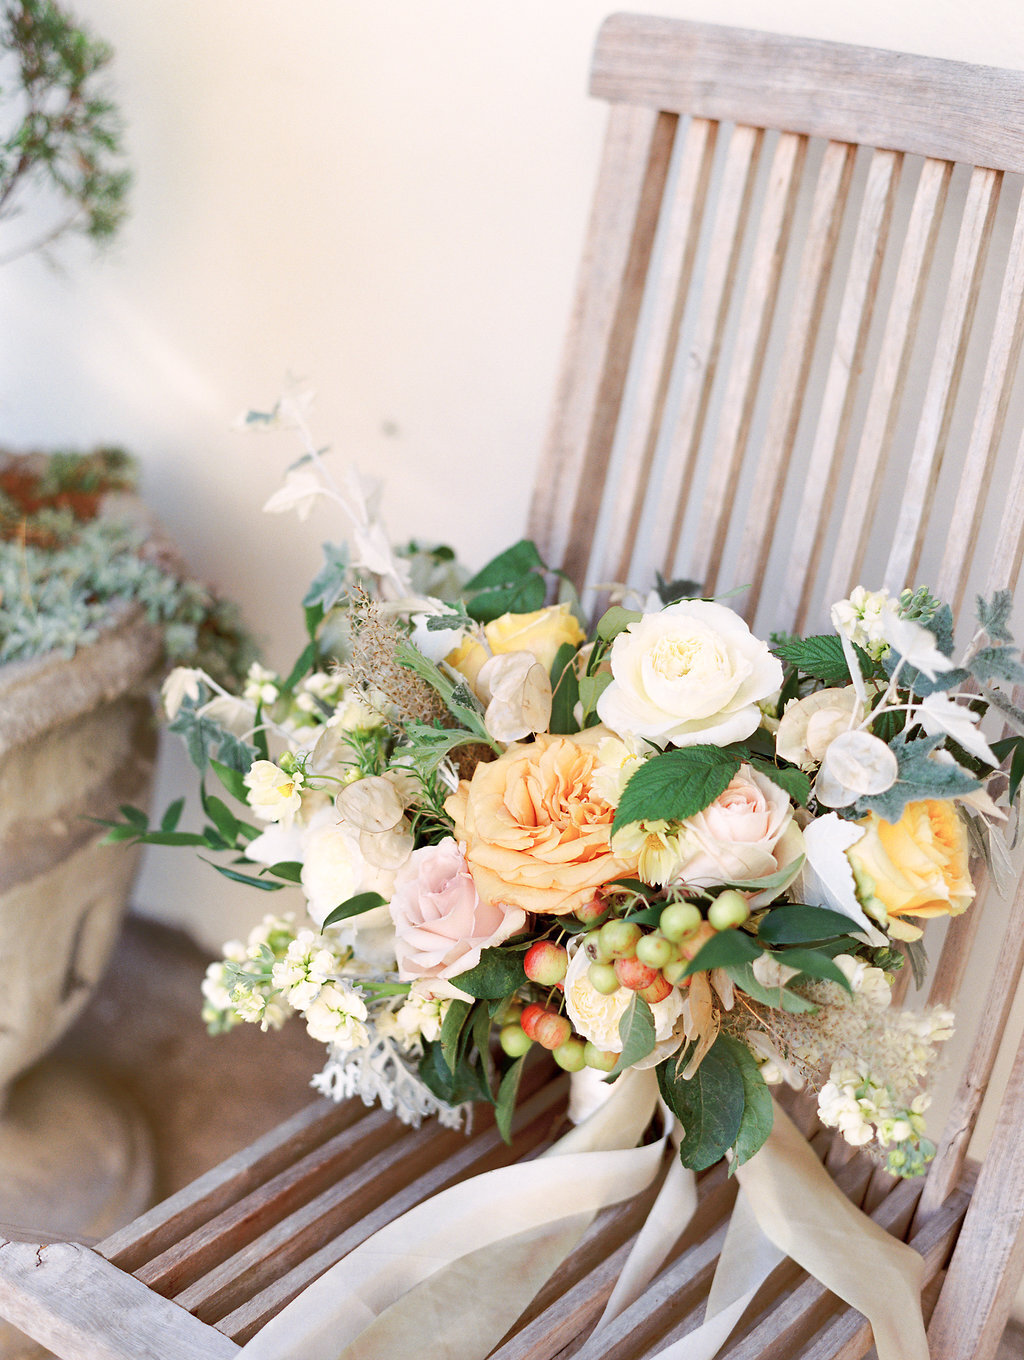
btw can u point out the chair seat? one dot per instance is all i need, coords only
(200, 1273)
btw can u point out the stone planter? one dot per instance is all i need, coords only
(77, 739)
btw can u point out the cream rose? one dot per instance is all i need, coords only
(747, 832)
(542, 633)
(441, 925)
(537, 834)
(917, 867)
(596, 1016)
(692, 673)
(334, 868)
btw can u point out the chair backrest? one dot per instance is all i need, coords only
(791, 366)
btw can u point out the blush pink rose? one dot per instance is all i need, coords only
(441, 925)
(747, 832)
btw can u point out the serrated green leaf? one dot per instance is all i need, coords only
(758, 1112)
(799, 924)
(791, 780)
(820, 657)
(815, 964)
(508, 566)
(996, 663)
(676, 785)
(636, 1030)
(499, 973)
(709, 1106)
(994, 615)
(237, 755)
(724, 950)
(354, 906)
(505, 1105)
(521, 598)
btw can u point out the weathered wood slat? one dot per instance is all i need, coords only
(990, 415)
(816, 262)
(262, 1298)
(747, 360)
(840, 387)
(667, 291)
(944, 378)
(1009, 549)
(596, 357)
(925, 105)
(66, 1297)
(731, 213)
(171, 1219)
(850, 544)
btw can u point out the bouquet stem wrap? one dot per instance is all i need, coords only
(455, 1272)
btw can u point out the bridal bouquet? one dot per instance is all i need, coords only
(660, 842)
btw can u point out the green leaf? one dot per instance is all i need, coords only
(918, 956)
(758, 1111)
(232, 779)
(996, 663)
(636, 1030)
(505, 1105)
(482, 1040)
(221, 816)
(263, 884)
(235, 754)
(119, 833)
(791, 780)
(465, 1083)
(1016, 772)
(136, 817)
(616, 620)
(498, 974)
(173, 838)
(354, 906)
(676, 785)
(918, 777)
(508, 566)
(798, 924)
(780, 879)
(632, 885)
(306, 662)
(172, 816)
(822, 658)
(709, 1106)
(451, 1031)
(779, 998)
(330, 582)
(288, 869)
(815, 964)
(521, 598)
(591, 689)
(724, 950)
(565, 691)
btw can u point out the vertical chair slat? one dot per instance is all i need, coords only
(946, 1169)
(667, 292)
(840, 386)
(990, 415)
(974, 1306)
(747, 359)
(731, 213)
(890, 374)
(632, 176)
(961, 933)
(776, 450)
(1009, 549)
(944, 378)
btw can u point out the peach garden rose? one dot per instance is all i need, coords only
(917, 867)
(537, 833)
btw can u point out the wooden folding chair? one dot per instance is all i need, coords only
(790, 364)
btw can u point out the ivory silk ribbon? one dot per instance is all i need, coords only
(447, 1279)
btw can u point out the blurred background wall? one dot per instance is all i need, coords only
(384, 199)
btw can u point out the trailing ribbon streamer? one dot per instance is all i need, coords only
(470, 1259)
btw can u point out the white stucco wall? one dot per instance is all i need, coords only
(385, 198)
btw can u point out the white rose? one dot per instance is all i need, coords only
(334, 867)
(690, 674)
(597, 1016)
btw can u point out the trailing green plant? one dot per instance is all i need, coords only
(66, 571)
(61, 134)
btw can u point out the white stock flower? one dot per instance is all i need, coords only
(336, 1017)
(860, 619)
(182, 683)
(865, 980)
(260, 685)
(274, 795)
(306, 966)
(693, 673)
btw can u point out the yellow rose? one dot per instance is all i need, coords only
(916, 867)
(541, 633)
(536, 831)
(468, 658)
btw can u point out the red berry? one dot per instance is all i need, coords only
(593, 911)
(634, 974)
(546, 962)
(553, 1030)
(659, 989)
